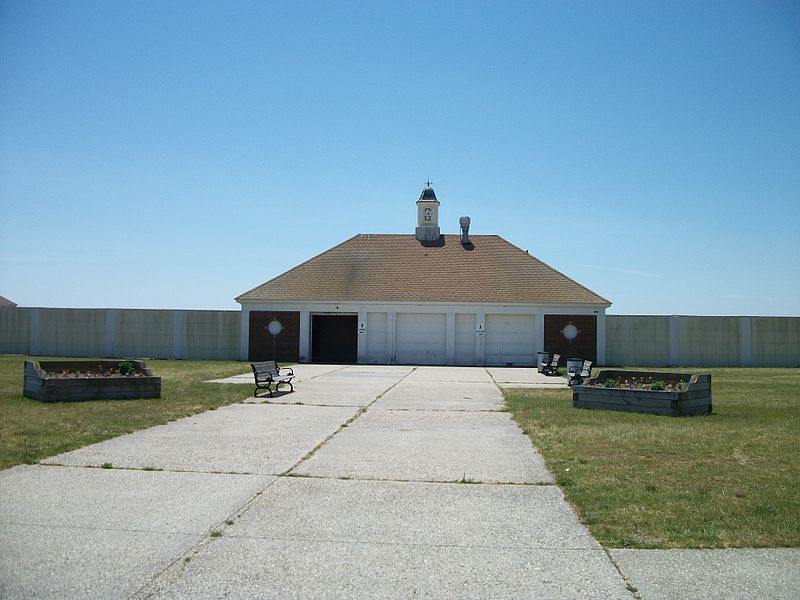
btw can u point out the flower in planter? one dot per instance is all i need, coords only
(127, 368)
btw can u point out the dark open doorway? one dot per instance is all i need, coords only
(334, 338)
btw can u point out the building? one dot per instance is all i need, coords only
(6, 303)
(422, 298)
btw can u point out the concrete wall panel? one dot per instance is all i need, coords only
(144, 333)
(15, 327)
(72, 332)
(637, 340)
(191, 334)
(708, 341)
(775, 341)
(211, 334)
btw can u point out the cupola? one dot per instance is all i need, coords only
(427, 215)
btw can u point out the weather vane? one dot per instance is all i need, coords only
(428, 183)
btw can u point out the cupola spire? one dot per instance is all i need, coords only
(427, 215)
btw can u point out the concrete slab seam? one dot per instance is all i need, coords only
(174, 571)
(342, 368)
(270, 402)
(625, 579)
(357, 542)
(455, 410)
(504, 408)
(346, 424)
(148, 588)
(88, 528)
(437, 481)
(145, 469)
(242, 509)
(494, 381)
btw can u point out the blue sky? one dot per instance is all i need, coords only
(175, 154)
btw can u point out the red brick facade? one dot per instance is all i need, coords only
(583, 346)
(286, 343)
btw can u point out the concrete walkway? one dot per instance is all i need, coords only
(367, 482)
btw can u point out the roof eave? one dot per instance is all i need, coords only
(243, 300)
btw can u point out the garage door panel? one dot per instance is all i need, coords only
(510, 340)
(421, 339)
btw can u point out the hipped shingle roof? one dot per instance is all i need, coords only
(398, 268)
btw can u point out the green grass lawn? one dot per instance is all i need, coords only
(730, 479)
(31, 430)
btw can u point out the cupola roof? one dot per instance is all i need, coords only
(427, 194)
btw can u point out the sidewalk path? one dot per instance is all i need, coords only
(367, 482)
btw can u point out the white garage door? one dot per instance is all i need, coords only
(376, 339)
(465, 339)
(509, 340)
(421, 339)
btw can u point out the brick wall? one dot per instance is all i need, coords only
(285, 346)
(583, 346)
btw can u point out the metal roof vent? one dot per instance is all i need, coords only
(464, 222)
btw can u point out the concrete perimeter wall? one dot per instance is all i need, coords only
(681, 341)
(116, 332)
(654, 341)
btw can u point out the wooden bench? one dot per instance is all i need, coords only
(550, 366)
(269, 373)
(576, 374)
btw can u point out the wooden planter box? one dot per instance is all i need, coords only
(40, 386)
(695, 400)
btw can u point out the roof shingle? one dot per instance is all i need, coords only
(398, 268)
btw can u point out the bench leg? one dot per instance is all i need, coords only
(262, 387)
(280, 383)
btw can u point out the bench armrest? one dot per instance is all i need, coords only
(289, 369)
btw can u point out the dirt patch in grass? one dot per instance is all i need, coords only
(31, 430)
(729, 479)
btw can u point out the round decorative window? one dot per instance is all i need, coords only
(570, 331)
(274, 327)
